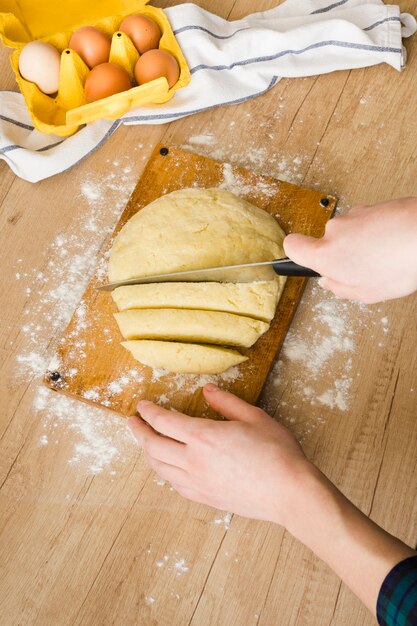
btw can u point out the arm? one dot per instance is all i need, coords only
(369, 254)
(206, 461)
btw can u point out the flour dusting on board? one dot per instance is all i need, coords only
(289, 168)
(234, 183)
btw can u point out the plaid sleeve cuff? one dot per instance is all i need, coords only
(397, 599)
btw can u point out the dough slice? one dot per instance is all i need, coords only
(257, 300)
(184, 358)
(193, 229)
(187, 325)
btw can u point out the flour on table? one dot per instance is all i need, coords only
(317, 360)
(202, 140)
(224, 521)
(101, 440)
(175, 563)
(69, 262)
(54, 291)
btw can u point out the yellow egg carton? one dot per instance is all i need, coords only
(22, 21)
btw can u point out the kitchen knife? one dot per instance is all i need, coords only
(246, 273)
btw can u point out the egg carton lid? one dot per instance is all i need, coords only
(22, 21)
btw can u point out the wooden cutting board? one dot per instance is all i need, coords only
(95, 368)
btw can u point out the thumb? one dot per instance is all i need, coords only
(302, 249)
(230, 406)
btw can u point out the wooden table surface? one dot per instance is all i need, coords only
(89, 534)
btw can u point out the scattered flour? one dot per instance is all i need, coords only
(225, 521)
(180, 567)
(101, 440)
(316, 362)
(69, 262)
(53, 294)
(315, 351)
(290, 168)
(234, 183)
(191, 382)
(175, 564)
(150, 600)
(202, 140)
(337, 397)
(159, 481)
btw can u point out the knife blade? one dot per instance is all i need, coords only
(244, 273)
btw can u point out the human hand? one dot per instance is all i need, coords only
(369, 254)
(249, 465)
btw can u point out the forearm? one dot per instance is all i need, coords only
(360, 552)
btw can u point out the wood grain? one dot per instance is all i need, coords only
(92, 360)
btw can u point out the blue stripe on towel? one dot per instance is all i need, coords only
(330, 7)
(272, 57)
(387, 19)
(44, 149)
(167, 116)
(16, 122)
(209, 32)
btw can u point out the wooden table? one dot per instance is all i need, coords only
(90, 536)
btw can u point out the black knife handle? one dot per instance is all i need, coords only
(286, 267)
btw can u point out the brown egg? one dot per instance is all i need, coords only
(144, 32)
(105, 80)
(154, 64)
(92, 45)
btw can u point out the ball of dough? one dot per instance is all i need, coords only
(194, 229)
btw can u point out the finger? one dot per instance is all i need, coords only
(165, 450)
(302, 249)
(158, 447)
(168, 472)
(339, 289)
(231, 406)
(138, 428)
(172, 424)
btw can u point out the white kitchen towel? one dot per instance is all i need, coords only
(230, 62)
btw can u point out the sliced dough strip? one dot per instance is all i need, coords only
(183, 358)
(256, 300)
(187, 325)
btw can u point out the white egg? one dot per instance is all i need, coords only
(39, 63)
